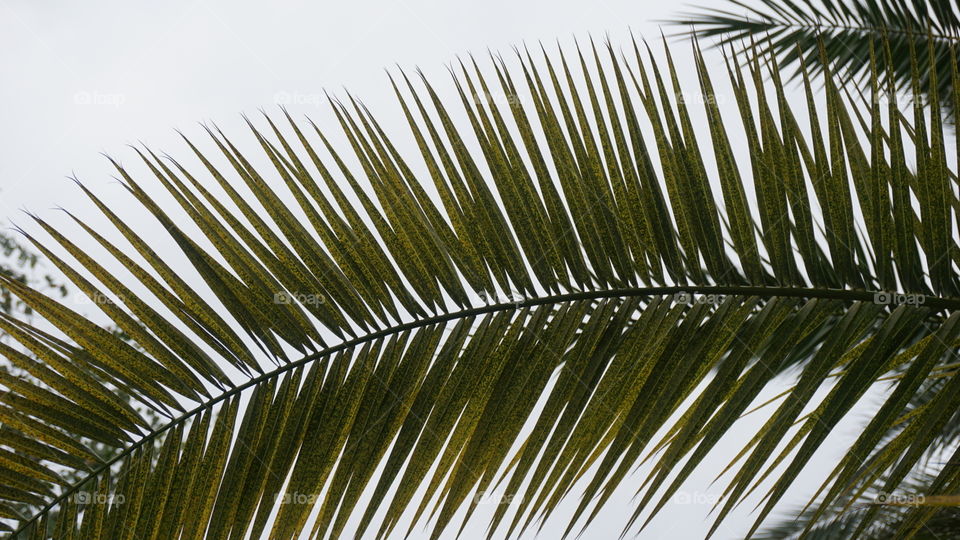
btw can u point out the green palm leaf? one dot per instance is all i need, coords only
(359, 348)
(846, 30)
(842, 518)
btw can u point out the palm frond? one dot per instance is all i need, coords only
(841, 33)
(841, 518)
(362, 344)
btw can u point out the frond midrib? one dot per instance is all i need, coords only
(819, 27)
(935, 304)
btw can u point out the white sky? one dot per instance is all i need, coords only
(84, 78)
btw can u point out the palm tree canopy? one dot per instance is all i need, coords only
(572, 285)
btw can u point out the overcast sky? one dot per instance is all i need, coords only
(84, 78)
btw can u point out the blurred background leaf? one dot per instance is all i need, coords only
(792, 31)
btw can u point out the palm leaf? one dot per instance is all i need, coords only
(841, 519)
(846, 30)
(361, 348)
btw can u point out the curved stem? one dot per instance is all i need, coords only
(867, 29)
(934, 304)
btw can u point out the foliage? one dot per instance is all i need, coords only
(363, 348)
(846, 30)
(19, 263)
